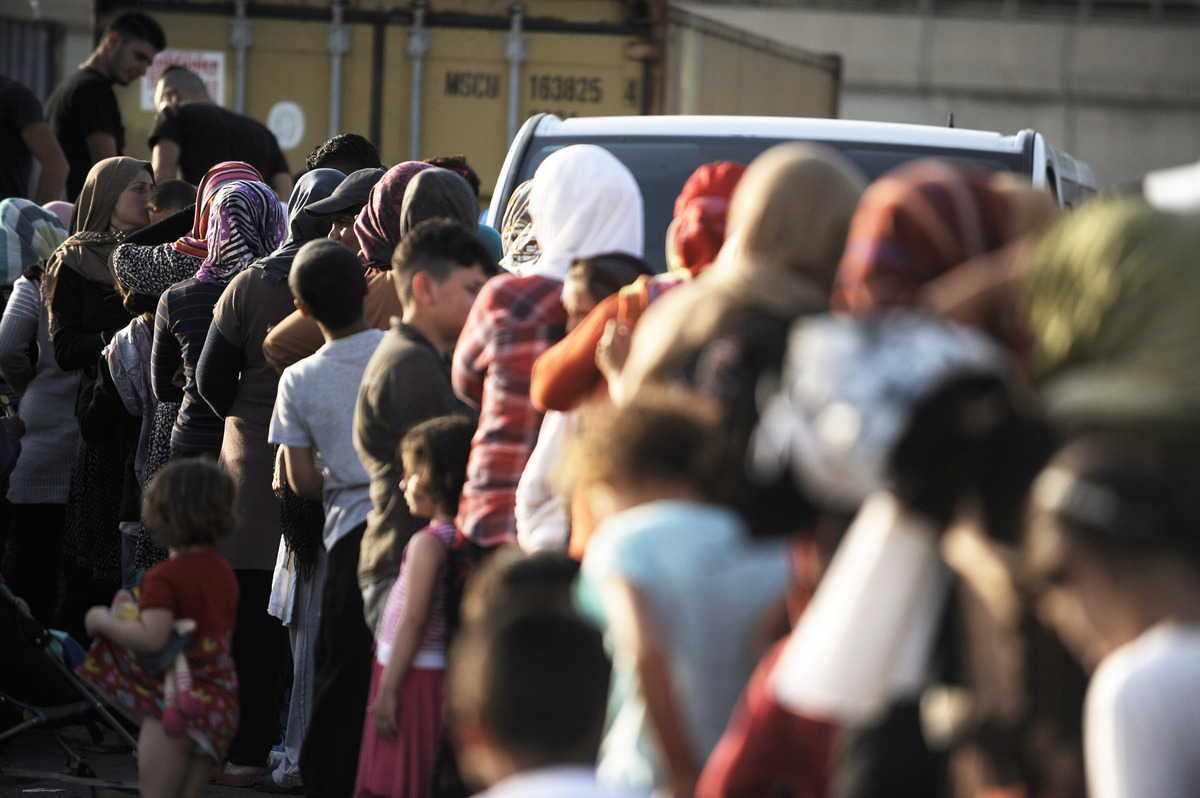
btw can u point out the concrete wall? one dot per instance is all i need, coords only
(1124, 97)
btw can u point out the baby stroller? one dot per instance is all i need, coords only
(37, 688)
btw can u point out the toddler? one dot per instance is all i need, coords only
(187, 508)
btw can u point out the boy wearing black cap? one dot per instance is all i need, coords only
(343, 205)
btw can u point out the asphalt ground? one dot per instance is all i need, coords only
(35, 750)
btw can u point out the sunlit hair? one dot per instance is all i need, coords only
(435, 453)
(190, 503)
(660, 436)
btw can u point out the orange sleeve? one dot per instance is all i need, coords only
(566, 373)
(292, 339)
(381, 302)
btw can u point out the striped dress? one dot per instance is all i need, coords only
(404, 766)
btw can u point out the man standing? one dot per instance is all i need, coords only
(192, 133)
(24, 135)
(83, 110)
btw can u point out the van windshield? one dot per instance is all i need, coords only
(662, 165)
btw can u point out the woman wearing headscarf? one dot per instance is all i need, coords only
(921, 220)
(247, 222)
(567, 373)
(38, 485)
(184, 255)
(378, 224)
(239, 385)
(85, 312)
(430, 193)
(786, 230)
(583, 202)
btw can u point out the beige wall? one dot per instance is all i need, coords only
(1124, 97)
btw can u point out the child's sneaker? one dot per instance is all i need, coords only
(173, 721)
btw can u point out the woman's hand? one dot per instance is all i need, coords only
(385, 712)
(613, 349)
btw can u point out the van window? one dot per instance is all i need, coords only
(662, 165)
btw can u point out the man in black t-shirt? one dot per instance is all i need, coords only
(24, 135)
(192, 133)
(83, 110)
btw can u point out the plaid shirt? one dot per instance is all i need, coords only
(514, 319)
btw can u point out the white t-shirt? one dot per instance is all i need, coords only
(315, 408)
(1142, 717)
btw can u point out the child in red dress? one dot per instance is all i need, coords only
(404, 722)
(187, 508)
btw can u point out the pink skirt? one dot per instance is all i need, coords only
(403, 768)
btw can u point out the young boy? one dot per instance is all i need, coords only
(170, 197)
(438, 269)
(314, 413)
(526, 701)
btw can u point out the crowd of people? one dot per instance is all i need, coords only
(882, 488)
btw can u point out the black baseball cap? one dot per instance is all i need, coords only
(352, 194)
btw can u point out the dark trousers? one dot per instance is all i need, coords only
(259, 648)
(341, 677)
(33, 566)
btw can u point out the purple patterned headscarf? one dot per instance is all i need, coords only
(246, 222)
(378, 226)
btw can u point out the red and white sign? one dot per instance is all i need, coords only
(209, 65)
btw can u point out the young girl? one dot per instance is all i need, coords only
(674, 582)
(398, 752)
(188, 508)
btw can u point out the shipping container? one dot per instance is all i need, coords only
(453, 77)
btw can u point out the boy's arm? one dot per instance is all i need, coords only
(472, 355)
(566, 373)
(302, 473)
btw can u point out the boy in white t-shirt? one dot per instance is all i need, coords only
(1113, 536)
(314, 415)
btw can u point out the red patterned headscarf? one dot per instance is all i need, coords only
(378, 225)
(701, 211)
(916, 223)
(195, 243)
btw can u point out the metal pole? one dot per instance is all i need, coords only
(241, 36)
(419, 45)
(516, 52)
(339, 44)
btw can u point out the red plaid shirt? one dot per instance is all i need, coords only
(514, 319)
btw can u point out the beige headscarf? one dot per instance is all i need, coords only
(86, 251)
(787, 227)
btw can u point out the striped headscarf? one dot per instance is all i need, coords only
(246, 222)
(378, 225)
(195, 243)
(28, 234)
(916, 223)
(313, 186)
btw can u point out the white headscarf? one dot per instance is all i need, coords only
(584, 202)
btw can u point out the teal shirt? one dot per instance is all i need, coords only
(707, 586)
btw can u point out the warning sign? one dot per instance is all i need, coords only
(209, 65)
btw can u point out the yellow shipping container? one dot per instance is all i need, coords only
(484, 66)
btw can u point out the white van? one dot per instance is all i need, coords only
(663, 151)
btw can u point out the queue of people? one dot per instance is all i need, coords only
(883, 488)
